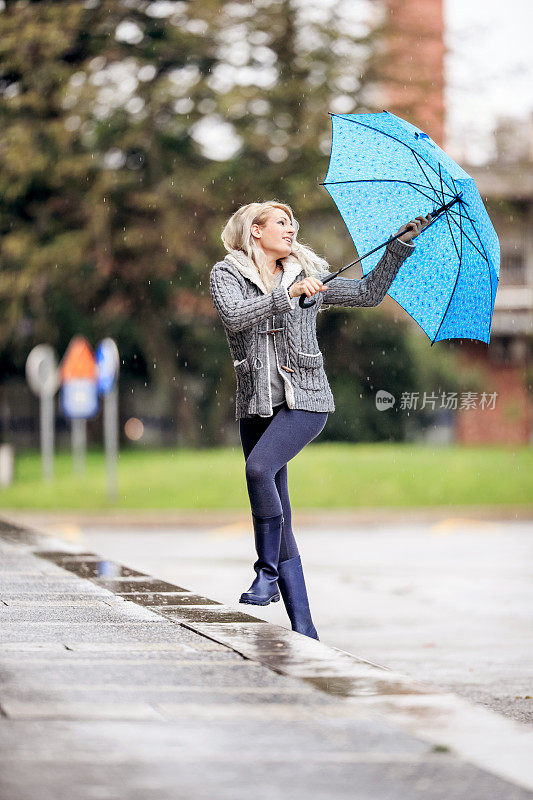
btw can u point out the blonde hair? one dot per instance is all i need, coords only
(237, 236)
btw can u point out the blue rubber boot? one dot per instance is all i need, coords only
(292, 587)
(264, 589)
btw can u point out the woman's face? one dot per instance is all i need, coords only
(277, 234)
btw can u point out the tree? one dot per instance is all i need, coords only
(130, 132)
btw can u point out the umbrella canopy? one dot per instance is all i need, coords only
(383, 171)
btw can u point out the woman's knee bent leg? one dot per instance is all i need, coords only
(257, 471)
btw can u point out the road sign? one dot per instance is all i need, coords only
(79, 395)
(44, 378)
(79, 398)
(107, 365)
(42, 373)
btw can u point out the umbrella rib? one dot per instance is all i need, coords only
(459, 254)
(460, 228)
(386, 180)
(451, 234)
(414, 186)
(453, 239)
(390, 136)
(467, 215)
(463, 233)
(483, 255)
(440, 178)
(449, 211)
(486, 258)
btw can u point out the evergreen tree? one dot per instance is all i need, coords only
(130, 132)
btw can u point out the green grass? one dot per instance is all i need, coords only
(325, 475)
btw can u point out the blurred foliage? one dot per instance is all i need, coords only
(341, 474)
(367, 350)
(112, 197)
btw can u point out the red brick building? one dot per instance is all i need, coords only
(410, 66)
(507, 362)
(410, 78)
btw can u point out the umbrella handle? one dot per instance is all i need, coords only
(305, 302)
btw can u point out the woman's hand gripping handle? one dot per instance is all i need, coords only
(307, 288)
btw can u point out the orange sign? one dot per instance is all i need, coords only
(78, 361)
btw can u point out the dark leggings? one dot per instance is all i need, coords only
(268, 444)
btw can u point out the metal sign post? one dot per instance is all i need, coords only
(43, 378)
(107, 366)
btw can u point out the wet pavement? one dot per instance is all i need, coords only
(448, 601)
(107, 691)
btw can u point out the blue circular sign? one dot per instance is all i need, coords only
(107, 365)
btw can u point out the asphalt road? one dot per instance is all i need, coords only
(450, 603)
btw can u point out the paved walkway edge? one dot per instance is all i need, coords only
(496, 744)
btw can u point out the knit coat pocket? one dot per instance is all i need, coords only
(245, 384)
(310, 371)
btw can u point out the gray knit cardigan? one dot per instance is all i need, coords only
(249, 311)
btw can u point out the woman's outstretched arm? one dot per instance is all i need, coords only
(370, 290)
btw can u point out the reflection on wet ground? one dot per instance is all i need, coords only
(119, 711)
(143, 586)
(89, 565)
(357, 687)
(276, 647)
(169, 599)
(101, 569)
(326, 668)
(367, 690)
(18, 535)
(200, 614)
(172, 602)
(60, 556)
(289, 653)
(329, 669)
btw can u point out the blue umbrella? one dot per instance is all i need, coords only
(384, 171)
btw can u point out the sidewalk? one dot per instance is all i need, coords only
(118, 685)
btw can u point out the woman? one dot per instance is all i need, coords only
(283, 397)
